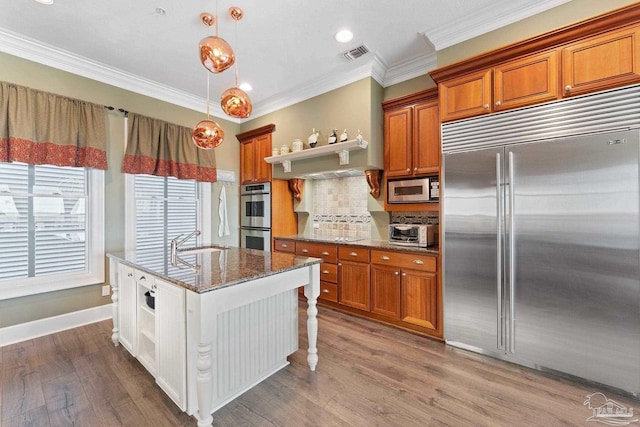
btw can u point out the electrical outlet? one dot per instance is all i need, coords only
(106, 290)
(316, 225)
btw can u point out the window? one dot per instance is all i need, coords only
(161, 208)
(51, 228)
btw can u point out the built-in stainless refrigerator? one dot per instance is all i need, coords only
(541, 248)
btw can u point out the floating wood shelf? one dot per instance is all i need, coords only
(340, 148)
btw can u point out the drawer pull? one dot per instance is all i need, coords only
(418, 261)
(325, 271)
(385, 258)
(305, 251)
(353, 254)
(325, 291)
(397, 273)
(154, 287)
(142, 278)
(130, 274)
(325, 253)
(284, 245)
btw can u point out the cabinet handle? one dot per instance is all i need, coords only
(498, 103)
(418, 261)
(325, 291)
(129, 274)
(385, 258)
(397, 273)
(325, 253)
(284, 245)
(408, 169)
(142, 278)
(415, 169)
(568, 88)
(325, 271)
(404, 274)
(339, 264)
(304, 251)
(353, 254)
(486, 106)
(154, 287)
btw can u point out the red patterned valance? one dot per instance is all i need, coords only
(42, 128)
(155, 147)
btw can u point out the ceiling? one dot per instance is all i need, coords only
(285, 49)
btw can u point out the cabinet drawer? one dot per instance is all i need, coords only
(328, 291)
(347, 253)
(328, 272)
(404, 260)
(329, 253)
(284, 245)
(144, 279)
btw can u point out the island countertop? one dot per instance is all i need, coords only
(218, 266)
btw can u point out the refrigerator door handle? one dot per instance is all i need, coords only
(499, 201)
(512, 262)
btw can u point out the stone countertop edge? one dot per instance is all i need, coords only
(243, 265)
(366, 243)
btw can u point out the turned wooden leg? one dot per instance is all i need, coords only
(205, 384)
(312, 291)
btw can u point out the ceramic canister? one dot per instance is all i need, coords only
(296, 145)
(284, 149)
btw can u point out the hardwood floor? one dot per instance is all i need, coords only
(368, 375)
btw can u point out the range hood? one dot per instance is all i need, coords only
(343, 173)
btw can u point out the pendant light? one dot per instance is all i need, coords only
(234, 101)
(215, 53)
(207, 134)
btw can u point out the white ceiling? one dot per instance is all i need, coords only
(285, 49)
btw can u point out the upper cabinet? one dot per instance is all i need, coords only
(412, 135)
(255, 145)
(517, 83)
(596, 63)
(592, 55)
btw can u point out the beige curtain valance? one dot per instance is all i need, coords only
(155, 147)
(43, 128)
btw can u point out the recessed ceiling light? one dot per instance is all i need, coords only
(245, 87)
(45, 1)
(344, 36)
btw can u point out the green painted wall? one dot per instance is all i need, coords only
(407, 87)
(27, 73)
(346, 107)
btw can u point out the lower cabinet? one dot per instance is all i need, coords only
(354, 277)
(152, 324)
(385, 291)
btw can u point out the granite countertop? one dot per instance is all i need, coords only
(217, 269)
(364, 243)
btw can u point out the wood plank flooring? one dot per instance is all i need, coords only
(368, 375)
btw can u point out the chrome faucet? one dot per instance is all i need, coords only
(175, 245)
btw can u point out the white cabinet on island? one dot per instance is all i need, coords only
(213, 331)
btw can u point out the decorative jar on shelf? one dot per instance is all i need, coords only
(296, 146)
(275, 151)
(284, 149)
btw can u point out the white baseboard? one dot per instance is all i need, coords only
(50, 325)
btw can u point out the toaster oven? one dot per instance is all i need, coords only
(421, 235)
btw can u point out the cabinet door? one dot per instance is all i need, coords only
(385, 290)
(127, 308)
(171, 341)
(262, 150)
(426, 138)
(465, 96)
(247, 162)
(398, 142)
(354, 288)
(419, 298)
(526, 81)
(601, 62)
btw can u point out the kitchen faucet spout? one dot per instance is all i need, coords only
(175, 245)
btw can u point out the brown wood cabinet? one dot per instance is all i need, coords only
(601, 62)
(412, 135)
(328, 269)
(255, 145)
(354, 277)
(523, 81)
(405, 286)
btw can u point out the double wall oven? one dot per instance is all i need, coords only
(255, 216)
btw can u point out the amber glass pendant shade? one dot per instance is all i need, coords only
(216, 54)
(207, 134)
(236, 103)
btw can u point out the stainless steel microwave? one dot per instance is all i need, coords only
(413, 190)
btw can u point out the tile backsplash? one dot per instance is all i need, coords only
(340, 208)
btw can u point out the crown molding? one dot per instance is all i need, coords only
(415, 67)
(60, 59)
(482, 22)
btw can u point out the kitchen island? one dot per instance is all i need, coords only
(216, 324)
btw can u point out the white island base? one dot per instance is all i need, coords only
(214, 345)
(254, 327)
